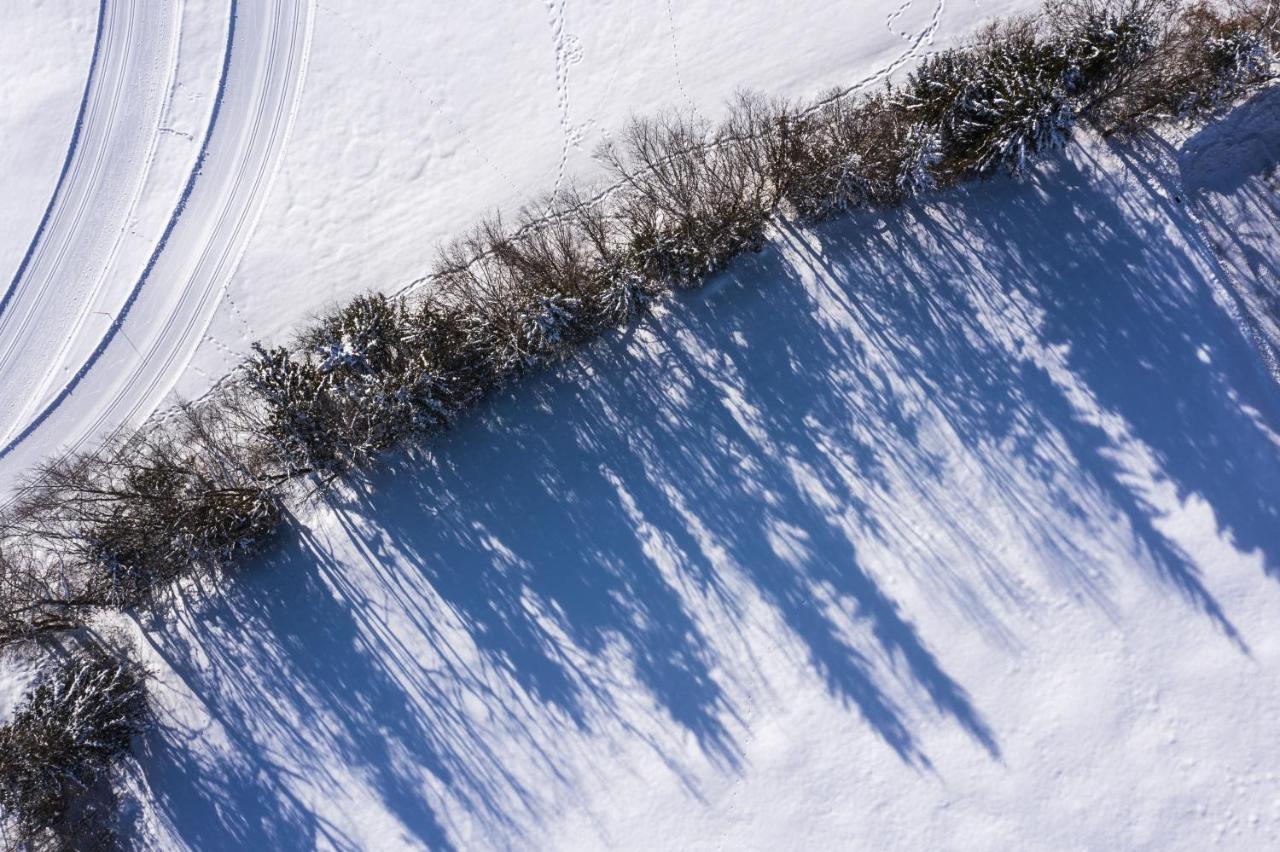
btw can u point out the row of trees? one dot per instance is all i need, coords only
(194, 493)
(114, 527)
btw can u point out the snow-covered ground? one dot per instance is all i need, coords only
(956, 527)
(1231, 171)
(239, 164)
(45, 54)
(16, 674)
(952, 528)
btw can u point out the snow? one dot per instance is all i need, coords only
(243, 164)
(455, 114)
(954, 527)
(16, 674)
(951, 527)
(45, 51)
(1231, 171)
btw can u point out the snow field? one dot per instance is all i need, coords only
(1232, 178)
(45, 53)
(266, 159)
(951, 528)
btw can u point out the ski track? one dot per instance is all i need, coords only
(264, 174)
(106, 271)
(12, 442)
(67, 163)
(191, 317)
(35, 293)
(236, 165)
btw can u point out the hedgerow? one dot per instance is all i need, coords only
(191, 495)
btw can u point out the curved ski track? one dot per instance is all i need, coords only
(72, 257)
(66, 162)
(157, 327)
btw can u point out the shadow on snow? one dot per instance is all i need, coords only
(750, 446)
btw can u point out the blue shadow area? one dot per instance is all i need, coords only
(595, 511)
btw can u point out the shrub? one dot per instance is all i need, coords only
(994, 105)
(1142, 61)
(618, 290)
(1210, 58)
(1235, 60)
(30, 604)
(113, 527)
(351, 387)
(508, 321)
(845, 154)
(690, 199)
(766, 138)
(623, 294)
(57, 752)
(1108, 46)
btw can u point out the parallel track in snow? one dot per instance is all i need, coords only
(158, 324)
(67, 161)
(74, 253)
(277, 89)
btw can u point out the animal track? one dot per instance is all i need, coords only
(913, 49)
(675, 57)
(573, 49)
(893, 16)
(925, 35)
(568, 52)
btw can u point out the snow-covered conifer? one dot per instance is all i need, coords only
(996, 105)
(547, 322)
(921, 154)
(57, 751)
(1236, 60)
(622, 294)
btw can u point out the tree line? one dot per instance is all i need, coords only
(193, 494)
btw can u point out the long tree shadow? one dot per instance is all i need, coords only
(1231, 172)
(588, 544)
(282, 666)
(1145, 338)
(595, 507)
(1180, 371)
